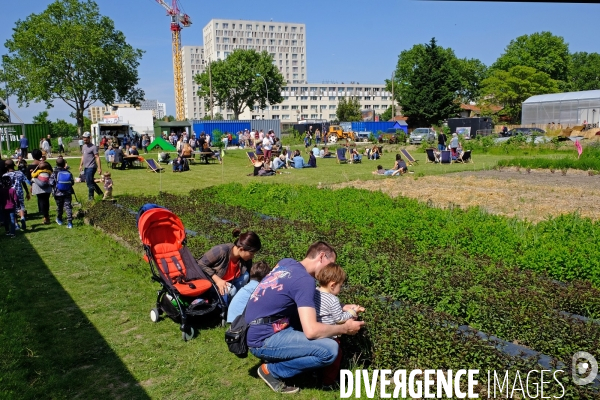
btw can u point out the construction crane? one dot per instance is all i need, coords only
(179, 21)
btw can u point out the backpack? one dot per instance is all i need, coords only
(63, 181)
(235, 336)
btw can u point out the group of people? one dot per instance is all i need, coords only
(453, 145)
(44, 182)
(294, 324)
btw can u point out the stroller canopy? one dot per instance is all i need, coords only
(158, 225)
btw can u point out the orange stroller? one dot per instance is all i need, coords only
(186, 291)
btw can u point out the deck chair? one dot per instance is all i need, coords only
(409, 157)
(153, 166)
(446, 157)
(466, 157)
(251, 156)
(341, 155)
(431, 157)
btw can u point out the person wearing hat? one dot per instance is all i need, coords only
(90, 163)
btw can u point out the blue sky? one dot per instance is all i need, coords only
(346, 40)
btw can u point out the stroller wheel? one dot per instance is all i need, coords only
(154, 315)
(187, 336)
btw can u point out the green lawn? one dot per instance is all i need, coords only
(74, 304)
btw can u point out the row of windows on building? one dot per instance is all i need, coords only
(271, 28)
(271, 49)
(312, 108)
(257, 35)
(271, 42)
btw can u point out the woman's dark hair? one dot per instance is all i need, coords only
(248, 241)
(44, 165)
(36, 154)
(398, 157)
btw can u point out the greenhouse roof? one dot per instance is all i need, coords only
(583, 95)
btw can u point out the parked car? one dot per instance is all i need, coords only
(362, 136)
(526, 132)
(422, 134)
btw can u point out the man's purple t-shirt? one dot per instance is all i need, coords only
(280, 293)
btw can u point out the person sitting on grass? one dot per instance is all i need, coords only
(386, 172)
(374, 154)
(279, 162)
(312, 160)
(260, 167)
(258, 271)
(298, 161)
(325, 153)
(178, 164)
(330, 311)
(356, 157)
(400, 165)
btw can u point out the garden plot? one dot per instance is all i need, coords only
(445, 282)
(510, 192)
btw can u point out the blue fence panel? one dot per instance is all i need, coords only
(232, 127)
(372, 126)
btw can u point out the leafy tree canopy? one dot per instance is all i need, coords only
(386, 115)
(70, 52)
(471, 73)
(431, 91)
(541, 50)
(41, 118)
(236, 83)
(510, 88)
(348, 110)
(585, 71)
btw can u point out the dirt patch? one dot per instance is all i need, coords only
(533, 195)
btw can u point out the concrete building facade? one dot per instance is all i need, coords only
(284, 41)
(95, 113)
(193, 63)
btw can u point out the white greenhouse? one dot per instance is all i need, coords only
(567, 109)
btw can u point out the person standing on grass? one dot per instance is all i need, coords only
(62, 188)
(283, 329)
(9, 204)
(18, 180)
(90, 163)
(24, 145)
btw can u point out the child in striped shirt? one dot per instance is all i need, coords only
(330, 311)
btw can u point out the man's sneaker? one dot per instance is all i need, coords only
(275, 384)
(70, 225)
(23, 224)
(59, 221)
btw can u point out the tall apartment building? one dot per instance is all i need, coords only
(285, 41)
(161, 110)
(95, 113)
(194, 63)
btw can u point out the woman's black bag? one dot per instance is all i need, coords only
(235, 336)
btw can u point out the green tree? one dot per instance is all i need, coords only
(386, 115)
(541, 50)
(431, 92)
(585, 71)
(70, 52)
(41, 118)
(169, 118)
(63, 128)
(3, 116)
(510, 88)
(348, 110)
(239, 80)
(471, 73)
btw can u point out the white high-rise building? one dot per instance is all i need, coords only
(194, 63)
(161, 110)
(284, 41)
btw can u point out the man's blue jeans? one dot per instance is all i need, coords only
(441, 147)
(89, 180)
(289, 353)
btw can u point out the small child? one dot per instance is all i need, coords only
(237, 305)
(62, 188)
(108, 186)
(9, 203)
(330, 311)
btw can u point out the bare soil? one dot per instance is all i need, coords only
(532, 195)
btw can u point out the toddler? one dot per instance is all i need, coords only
(108, 186)
(330, 311)
(237, 305)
